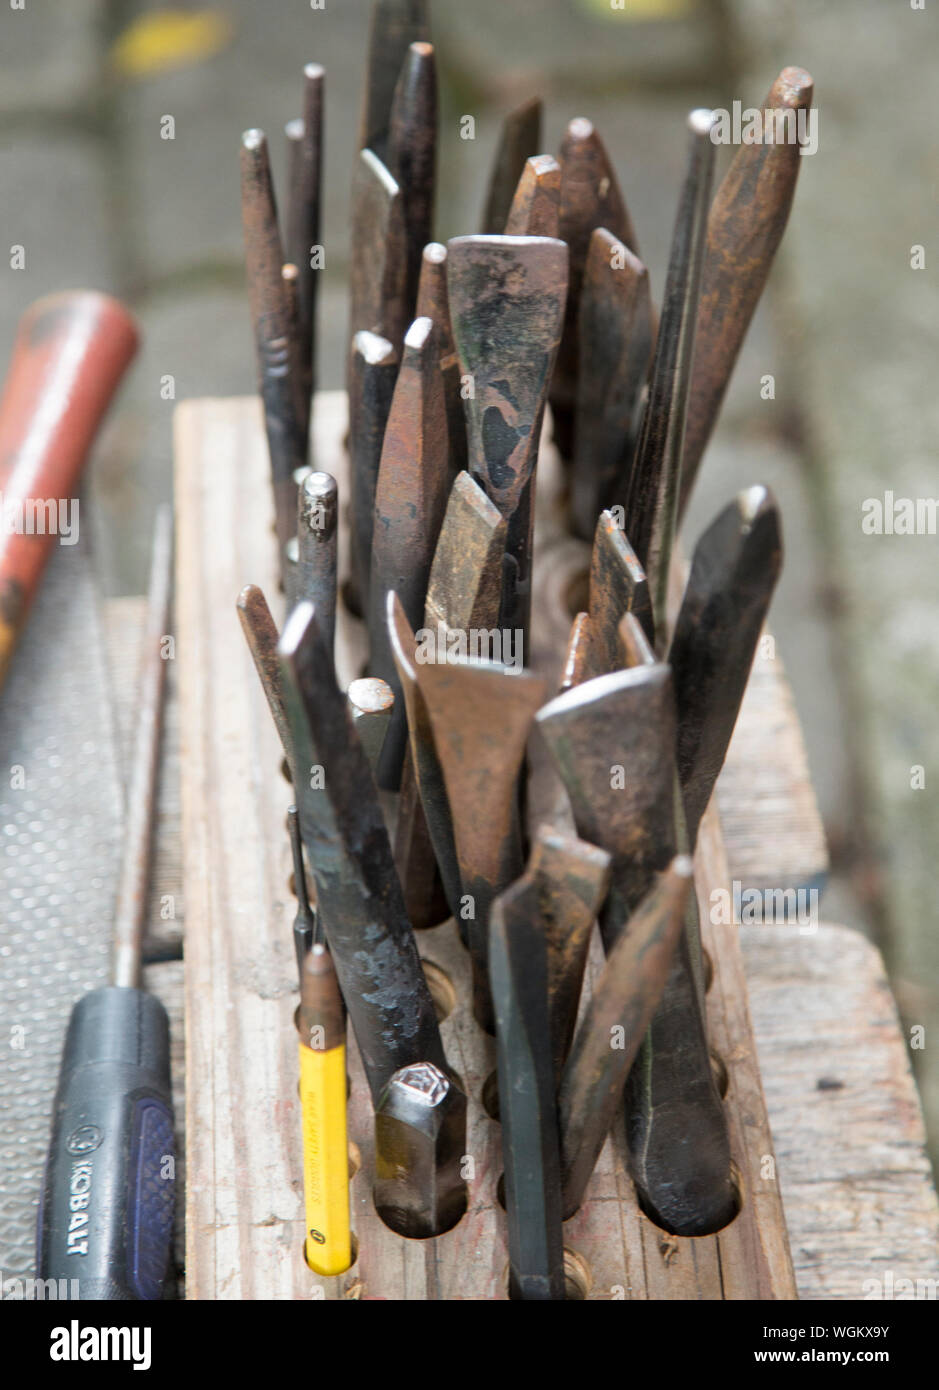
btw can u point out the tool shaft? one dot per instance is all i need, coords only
(317, 539)
(304, 215)
(519, 140)
(304, 922)
(262, 637)
(410, 502)
(518, 974)
(652, 503)
(396, 24)
(358, 896)
(412, 155)
(275, 346)
(620, 1009)
(507, 297)
(130, 914)
(745, 226)
(373, 372)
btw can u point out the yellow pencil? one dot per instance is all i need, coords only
(322, 1028)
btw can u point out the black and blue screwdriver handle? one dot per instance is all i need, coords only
(106, 1211)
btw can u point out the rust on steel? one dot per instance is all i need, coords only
(590, 197)
(373, 372)
(652, 501)
(464, 587)
(734, 570)
(433, 302)
(536, 207)
(618, 585)
(378, 253)
(426, 769)
(462, 595)
(480, 715)
(317, 527)
(518, 141)
(412, 155)
(612, 740)
(269, 299)
(568, 879)
(396, 24)
(622, 1002)
(507, 298)
(635, 649)
(305, 179)
(745, 226)
(615, 336)
(262, 637)
(410, 501)
(577, 666)
(291, 278)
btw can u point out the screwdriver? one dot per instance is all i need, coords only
(106, 1210)
(70, 353)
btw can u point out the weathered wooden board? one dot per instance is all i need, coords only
(848, 1130)
(244, 1215)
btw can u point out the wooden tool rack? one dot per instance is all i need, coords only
(244, 1207)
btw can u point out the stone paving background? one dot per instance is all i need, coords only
(848, 328)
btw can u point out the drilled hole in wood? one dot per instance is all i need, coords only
(578, 1277)
(441, 989)
(577, 593)
(719, 1072)
(708, 967)
(738, 1204)
(402, 1221)
(354, 1248)
(285, 771)
(500, 1191)
(490, 1095)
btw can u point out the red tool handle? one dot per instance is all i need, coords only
(70, 353)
